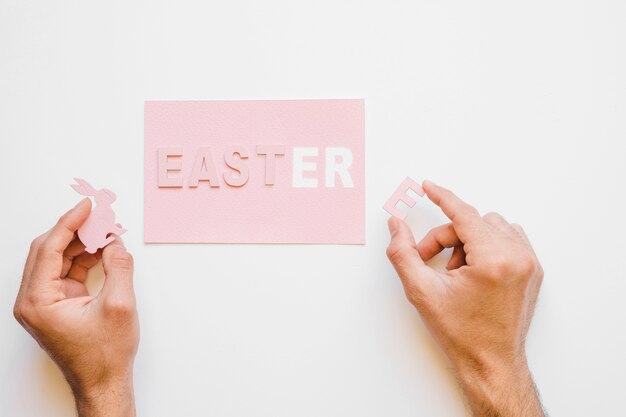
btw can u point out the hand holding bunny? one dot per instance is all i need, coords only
(92, 338)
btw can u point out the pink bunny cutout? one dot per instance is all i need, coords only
(94, 233)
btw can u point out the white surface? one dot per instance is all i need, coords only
(518, 106)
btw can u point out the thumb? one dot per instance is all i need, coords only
(403, 255)
(117, 292)
(49, 252)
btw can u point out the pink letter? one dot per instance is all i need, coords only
(204, 159)
(237, 165)
(165, 165)
(270, 152)
(400, 195)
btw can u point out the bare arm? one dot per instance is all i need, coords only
(480, 309)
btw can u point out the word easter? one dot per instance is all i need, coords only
(337, 162)
(255, 171)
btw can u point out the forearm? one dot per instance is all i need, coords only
(500, 390)
(112, 400)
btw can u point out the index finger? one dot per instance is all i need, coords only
(49, 260)
(465, 218)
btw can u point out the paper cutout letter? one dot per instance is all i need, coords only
(400, 195)
(204, 168)
(170, 165)
(270, 152)
(236, 164)
(94, 233)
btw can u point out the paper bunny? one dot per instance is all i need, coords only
(94, 233)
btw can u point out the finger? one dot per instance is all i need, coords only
(522, 234)
(118, 271)
(32, 255)
(74, 249)
(64, 231)
(465, 218)
(520, 231)
(405, 258)
(497, 221)
(73, 289)
(81, 266)
(436, 240)
(523, 237)
(49, 261)
(402, 242)
(457, 259)
(418, 279)
(28, 269)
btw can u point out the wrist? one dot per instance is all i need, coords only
(499, 386)
(112, 397)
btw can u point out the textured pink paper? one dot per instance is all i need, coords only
(255, 212)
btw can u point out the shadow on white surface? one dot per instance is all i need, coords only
(55, 392)
(95, 279)
(423, 217)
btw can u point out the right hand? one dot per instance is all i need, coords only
(478, 310)
(93, 339)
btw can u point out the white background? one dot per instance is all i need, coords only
(520, 107)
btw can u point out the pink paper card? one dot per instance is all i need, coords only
(266, 171)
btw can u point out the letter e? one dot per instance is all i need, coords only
(165, 165)
(300, 166)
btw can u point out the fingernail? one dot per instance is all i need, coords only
(81, 202)
(118, 240)
(427, 183)
(393, 225)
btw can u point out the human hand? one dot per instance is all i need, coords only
(480, 309)
(93, 339)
